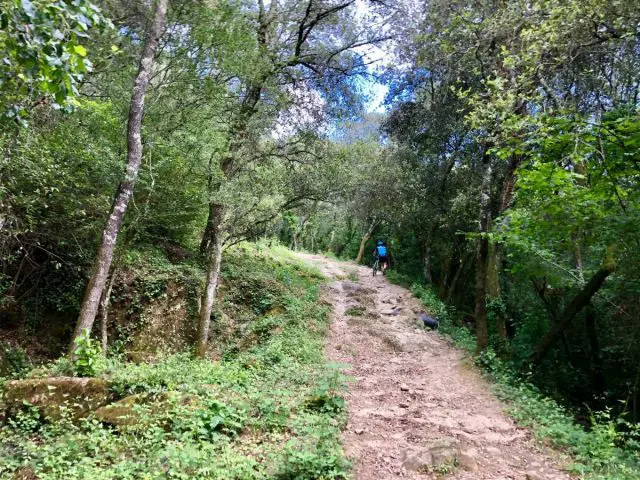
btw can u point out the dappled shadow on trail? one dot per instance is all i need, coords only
(417, 407)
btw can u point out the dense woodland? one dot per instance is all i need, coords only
(144, 142)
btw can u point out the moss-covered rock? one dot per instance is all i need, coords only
(142, 408)
(54, 395)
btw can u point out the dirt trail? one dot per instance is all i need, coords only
(416, 406)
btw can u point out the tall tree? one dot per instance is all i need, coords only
(291, 53)
(104, 256)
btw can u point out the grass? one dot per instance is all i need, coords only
(355, 311)
(600, 453)
(270, 408)
(353, 276)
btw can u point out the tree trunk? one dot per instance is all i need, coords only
(104, 256)
(212, 238)
(451, 288)
(365, 239)
(578, 302)
(299, 231)
(482, 252)
(493, 285)
(496, 250)
(214, 260)
(105, 301)
(207, 234)
(427, 268)
(597, 368)
(482, 329)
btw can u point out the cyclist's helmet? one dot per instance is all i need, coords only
(380, 243)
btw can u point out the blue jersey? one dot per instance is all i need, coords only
(382, 250)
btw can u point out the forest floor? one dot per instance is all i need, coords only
(416, 400)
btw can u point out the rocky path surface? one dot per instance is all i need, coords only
(417, 408)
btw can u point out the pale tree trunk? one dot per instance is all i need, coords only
(482, 252)
(297, 233)
(212, 240)
(239, 126)
(214, 261)
(104, 256)
(212, 237)
(331, 240)
(105, 302)
(365, 239)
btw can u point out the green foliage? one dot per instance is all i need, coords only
(523, 88)
(87, 355)
(43, 53)
(206, 422)
(27, 421)
(323, 462)
(14, 362)
(62, 367)
(355, 311)
(599, 453)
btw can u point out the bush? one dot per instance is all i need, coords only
(87, 356)
(14, 362)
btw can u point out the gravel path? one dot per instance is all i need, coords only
(417, 407)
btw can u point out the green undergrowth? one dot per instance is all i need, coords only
(604, 451)
(269, 408)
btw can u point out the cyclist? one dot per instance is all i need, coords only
(381, 254)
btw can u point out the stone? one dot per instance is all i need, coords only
(359, 431)
(403, 405)
(494, 451)
(123, 412)
(467, 461)
(428, 321)
(54, 395)
(534, 476)
(438, 453)
(404, 387)
(128, 411)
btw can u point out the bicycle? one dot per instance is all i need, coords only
(376, 267)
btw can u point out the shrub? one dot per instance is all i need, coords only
(14, 362)
(87, 356)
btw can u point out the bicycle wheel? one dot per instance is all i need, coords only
(376, 266)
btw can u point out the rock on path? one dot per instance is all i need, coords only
(417, 408)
